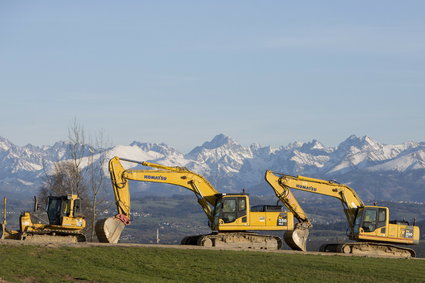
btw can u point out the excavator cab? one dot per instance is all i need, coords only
(65, 211)
(230, 209)
(54, 209)
(58, 207)
(369, 219)
(232, 212)
(372, 224)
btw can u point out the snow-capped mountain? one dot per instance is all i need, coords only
(375, 170)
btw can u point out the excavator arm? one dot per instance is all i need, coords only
(203, 190)
(109, 230)
(348, 197)
(297, 238)
(285, 195)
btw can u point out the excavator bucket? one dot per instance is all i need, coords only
(297, 239)
(109, 230)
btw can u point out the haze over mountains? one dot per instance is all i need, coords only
(377, 171)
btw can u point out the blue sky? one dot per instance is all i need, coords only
(180, 72)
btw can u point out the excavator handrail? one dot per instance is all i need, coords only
(154, 165)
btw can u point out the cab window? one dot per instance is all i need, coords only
(229, 205)
(217, 211)
(229, 210)
(358, 220)
(242, 204)
(369, 220)
(382, 217)
(65, 207)
(77, 207)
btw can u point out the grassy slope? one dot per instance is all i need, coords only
(131, 264)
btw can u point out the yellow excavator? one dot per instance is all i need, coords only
(65, 224)
(369, 225)
(230, 216)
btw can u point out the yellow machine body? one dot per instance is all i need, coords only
(64, 220)
(234, 213)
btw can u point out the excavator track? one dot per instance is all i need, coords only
(47, 235)
(235, 240)
(369, 248)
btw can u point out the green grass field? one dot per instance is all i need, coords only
(22, 263)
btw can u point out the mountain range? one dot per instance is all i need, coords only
(376, 171)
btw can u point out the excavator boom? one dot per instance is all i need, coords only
(297, 238)
(348, 197)
(204, 191)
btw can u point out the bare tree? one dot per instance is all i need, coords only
(77, 149)
(81, 174)
(96, 176)
(57, 182)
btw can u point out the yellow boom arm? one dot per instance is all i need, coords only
(287, 198)
(203, 190)
(348, 197)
